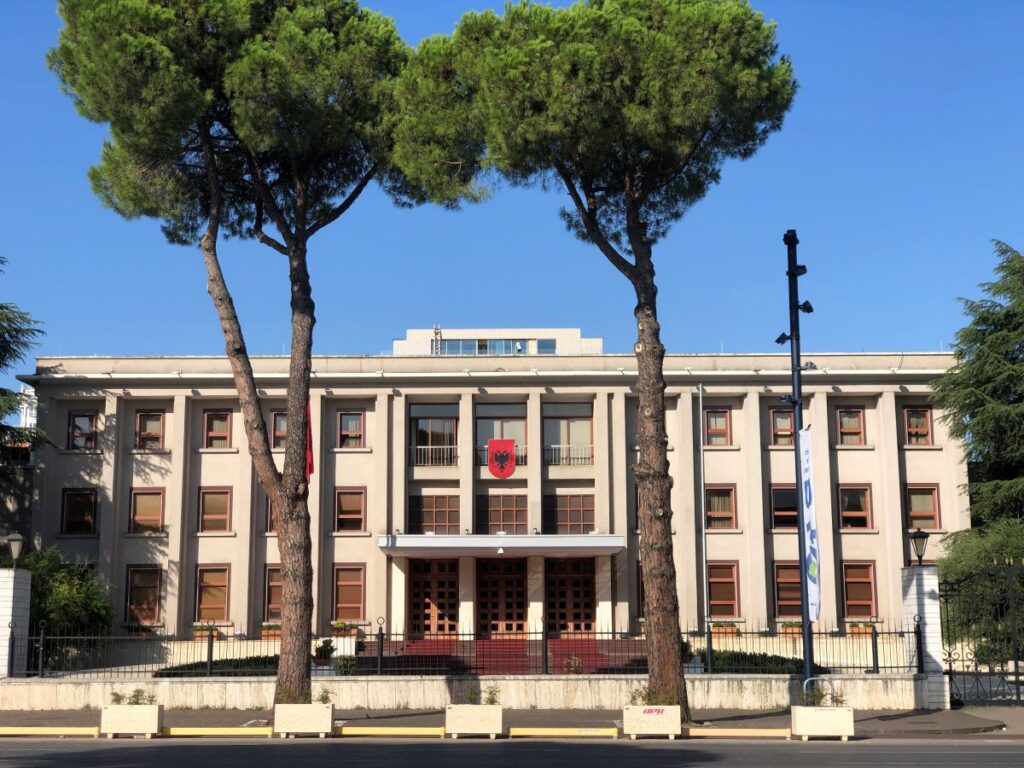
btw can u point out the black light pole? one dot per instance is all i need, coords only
(793, 272)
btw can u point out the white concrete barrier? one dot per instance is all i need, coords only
(304, 720)
(764, 692)
(132, 720)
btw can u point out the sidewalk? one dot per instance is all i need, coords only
(868, 724)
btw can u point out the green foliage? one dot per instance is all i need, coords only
(345, 665)
(983, 395)
(324, 650)
(137, 697)
(324, 697)
(492, 695)
(739, 662)
(974, 550)
(18, 334)
(249, 666)
(68, 596)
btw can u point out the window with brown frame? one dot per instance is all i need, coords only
(280, 436)
(505, 512)
(723, 592)
(717, 426)
(850, 426)
(149, 430)
(568, 432)
(640, 594)
(147, 512)
(859, 590)
(78, 512)
(434, 514)
(784, 502)
(217, 429)
(349, 592)
(782, 426)
(568, 514)
(82, 430)
(351, 429)
(214, 510)
(434, 434)
(142, 600)
(500, 421)
(212, 586)
(720, 504)
(267, 516)
(917, 424)
(350, 510)
(923, 506)
(272, 594)
(855, 506)
(787, 590)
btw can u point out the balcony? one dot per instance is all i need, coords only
(433, 455)
(481, 456)
(569, 455)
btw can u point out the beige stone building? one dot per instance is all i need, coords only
(147, 474)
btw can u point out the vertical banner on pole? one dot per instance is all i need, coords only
(812, 568)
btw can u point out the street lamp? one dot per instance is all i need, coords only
(919, 541)
(15, 541)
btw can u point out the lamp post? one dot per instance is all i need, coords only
(15, 541)
(919, 541)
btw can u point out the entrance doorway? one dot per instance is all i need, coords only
(433, 597)
(501, 597)
(569, 604)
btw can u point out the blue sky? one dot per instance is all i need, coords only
(898, 163)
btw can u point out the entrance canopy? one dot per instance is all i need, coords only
(470, 545)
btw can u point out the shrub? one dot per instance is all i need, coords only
(250, 666)
(345, 665)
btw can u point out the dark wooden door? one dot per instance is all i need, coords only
(433, 597)
(501, 596)
(570, 601)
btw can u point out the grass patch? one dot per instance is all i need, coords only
(250, 666)
(743, 662)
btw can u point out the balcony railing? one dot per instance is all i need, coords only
(433, 455)
(481, 456)
(569, 455)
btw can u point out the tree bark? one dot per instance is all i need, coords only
(667, 684)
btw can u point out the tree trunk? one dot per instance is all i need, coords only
(661, 604)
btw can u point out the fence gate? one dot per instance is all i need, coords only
(982, 623)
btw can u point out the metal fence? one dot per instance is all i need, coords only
(721, 651)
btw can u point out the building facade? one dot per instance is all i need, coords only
(147, 474)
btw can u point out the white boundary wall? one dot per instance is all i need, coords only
(921, 602)
(14, 603)
(763, 692)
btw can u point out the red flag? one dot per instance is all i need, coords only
(309, 442)
(501, 458)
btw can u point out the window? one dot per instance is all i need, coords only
(434, 429)
(142, 602)
(82, 431)
(850, 426)
(506, 512)
(723, 596)
(217, 429)
(280, 433)
(147, 514)
(149, 430)
(640, 593)
(350, 509)
(787, 590)
(859, 590)
(211, 593)
(922, 506)
(917, 423)
(568, 514)
(501, 421)
(214, 509)
(782, 426)
(717, 426)
(434, 514)
(349, 592)
(351, 429)
(272, 594)
(720, 503)
(784, 502)
(546, 347)
(267, 516)
(855, 506)
(78, 513)
(568, 433)
(457, 347)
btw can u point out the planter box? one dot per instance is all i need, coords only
(652, 721)
(132, 719)
(834, 722)
(473, 720)
(201, 633)
(304, 720)
(345, 646)
(730, 630)
(270, 634)
(791, 630)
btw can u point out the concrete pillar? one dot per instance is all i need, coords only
(751, 517)
(603, 593)
(399, 595)
(320, 496)
(14, 601)
(399, 456)
(602, 464)
(535, 593)
(619, 501)
(178, 528)
(816, 416)
(888, 503)
(921, 603)
(112, 512)
(467, 595)
(534, 463)
(687, 548)
(467, 462)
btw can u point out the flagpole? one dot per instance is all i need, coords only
(793, 272)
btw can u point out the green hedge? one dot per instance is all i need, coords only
(250, 666)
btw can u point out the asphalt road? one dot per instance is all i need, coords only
(306, 753)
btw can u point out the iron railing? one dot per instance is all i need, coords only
(568, 455)
(433, 455)
(720, 650)
(481, 456)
